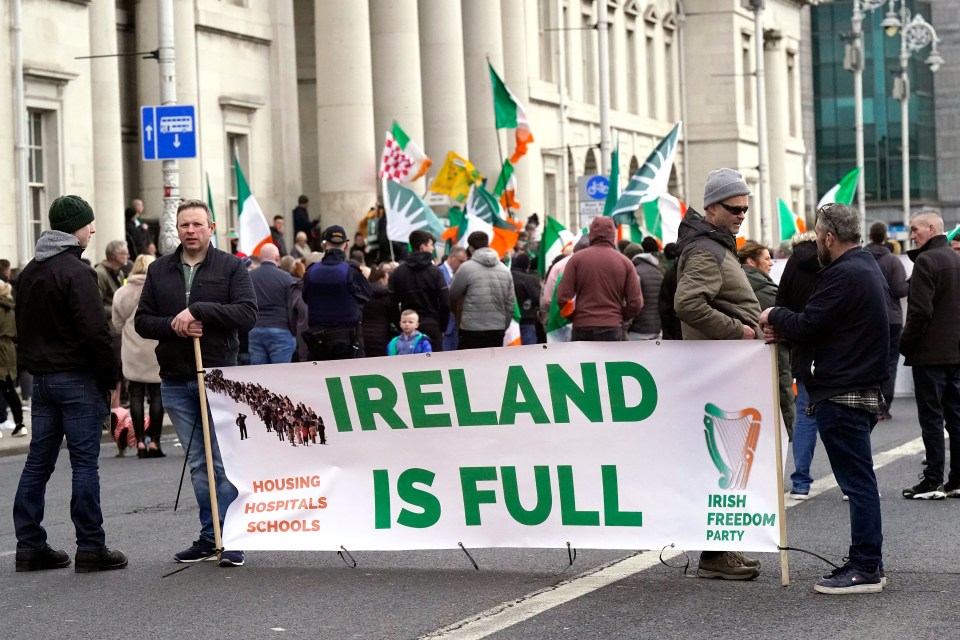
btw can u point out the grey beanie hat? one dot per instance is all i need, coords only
(723, 184)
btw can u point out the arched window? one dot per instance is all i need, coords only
(590, 165)
(634, 166)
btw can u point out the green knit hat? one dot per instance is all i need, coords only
(70, 213)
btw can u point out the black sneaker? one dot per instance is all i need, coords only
(231, 559)
(952, 489)
(99, 560)
(926, 490)
(42, 559)
(19, 431)
(200, 550)
(848, 579)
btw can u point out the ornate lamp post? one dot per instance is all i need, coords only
(915, 34)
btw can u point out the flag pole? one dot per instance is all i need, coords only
(207, 449)
(778, 444)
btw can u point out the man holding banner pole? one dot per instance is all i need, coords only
(842, 345)
(715, 301)
(199, 292)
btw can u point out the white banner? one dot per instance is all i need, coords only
(633, 445)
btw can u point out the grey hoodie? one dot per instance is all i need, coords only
(53, 243)
(485, 286)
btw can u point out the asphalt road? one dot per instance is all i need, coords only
(439, 594)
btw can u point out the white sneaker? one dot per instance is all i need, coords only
(8, 424)
(20, 432)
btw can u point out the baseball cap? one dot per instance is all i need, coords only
(335, 234)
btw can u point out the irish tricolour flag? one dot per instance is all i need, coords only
(554, 241)
(510, 114)
(790, 224)
(253, 231)
(843, 192)
(402, 160)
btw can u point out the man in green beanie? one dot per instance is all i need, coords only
(65, 344)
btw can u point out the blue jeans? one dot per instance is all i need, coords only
(71, 405)
(804, 442)
(938, 406)
(268, 345)
(450, 335)
(181, 400)
(846, 438)
(528, 334)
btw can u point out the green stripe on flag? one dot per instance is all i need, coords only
(505, 174)
(504, 107)
(400, 135)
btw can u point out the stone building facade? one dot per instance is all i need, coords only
(303, 91)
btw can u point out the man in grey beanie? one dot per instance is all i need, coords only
(65, 344)
(714, 301)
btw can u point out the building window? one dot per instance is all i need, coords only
(633, 77)
(545, 23)
(746, 76)
(792, 92)
(651, 69)
(568, 49)
(670, 84)
(36, 172)
(589, 49)
(613, 46)
(237, 149)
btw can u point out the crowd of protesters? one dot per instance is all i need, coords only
(330, 297)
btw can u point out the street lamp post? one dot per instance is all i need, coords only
(915, 34)
(856, 61)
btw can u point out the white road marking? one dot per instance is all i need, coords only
(513, 612)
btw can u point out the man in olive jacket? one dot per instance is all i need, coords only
(715, 301)
(930, 344)
(200, 292)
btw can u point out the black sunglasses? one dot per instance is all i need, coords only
(734, 210)
(824, 214)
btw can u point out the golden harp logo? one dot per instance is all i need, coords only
(731, 440)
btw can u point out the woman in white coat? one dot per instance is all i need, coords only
(139, 360)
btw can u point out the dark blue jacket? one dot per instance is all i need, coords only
(273, 287)
(335, 291)
(221, 296)
(842, 333)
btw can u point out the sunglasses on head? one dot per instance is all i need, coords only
(734, 210)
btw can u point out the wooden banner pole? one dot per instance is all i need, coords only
(778, 421)
(208, 450)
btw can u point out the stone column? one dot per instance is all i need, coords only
(444, 85)
(107, 199)
(148, 93)
(482, 38)
(345, 136)
(188, 90)
(284, 118)
(395, 49)
(516, 36)
(778, 124)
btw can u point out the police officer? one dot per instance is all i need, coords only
(335, 292)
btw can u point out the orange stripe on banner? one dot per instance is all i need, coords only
(740, 242)
(503, 240)
(524, 138)
(450, 234)
(515, 343)
(567, 310)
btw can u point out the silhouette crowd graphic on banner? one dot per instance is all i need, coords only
(293, 423)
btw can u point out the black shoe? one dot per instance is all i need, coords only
(100, 560)
(156, 453)
(952, 489)
(46, 558)
(926, 489)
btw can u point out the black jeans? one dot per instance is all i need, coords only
(137, 392)
(937, 388)
(480, 339)
(10, 394)
(597, 334)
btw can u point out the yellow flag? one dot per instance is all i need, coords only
(456, 177)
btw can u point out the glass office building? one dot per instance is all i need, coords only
(834, 108)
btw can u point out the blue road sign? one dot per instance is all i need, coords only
(168, 133)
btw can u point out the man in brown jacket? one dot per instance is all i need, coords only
(715, 301)
(604, 284)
